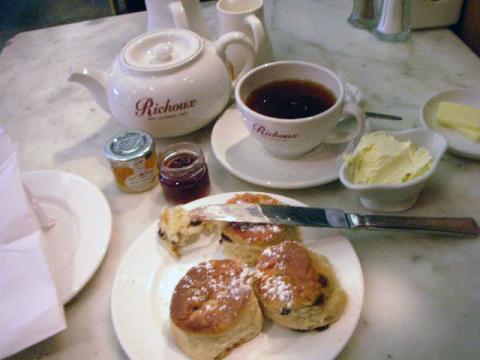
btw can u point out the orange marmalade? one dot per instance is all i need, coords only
(133, 160)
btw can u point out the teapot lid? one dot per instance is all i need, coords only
(161, 50)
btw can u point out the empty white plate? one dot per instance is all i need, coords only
(148, 274)
(457, 144)
(78, 242)
(238, 152)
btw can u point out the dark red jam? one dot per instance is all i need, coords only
(183, 174)
(181, 160)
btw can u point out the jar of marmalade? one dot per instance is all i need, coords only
(133, 160)
(183, 173)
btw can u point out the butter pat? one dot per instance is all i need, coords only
(381, 159)
(461, 118)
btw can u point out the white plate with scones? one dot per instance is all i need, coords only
(149, 275)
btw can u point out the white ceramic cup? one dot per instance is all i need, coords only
(247, 17)
(291, 138)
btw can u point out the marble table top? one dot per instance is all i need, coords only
(422, 296)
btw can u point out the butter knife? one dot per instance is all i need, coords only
(332, 218)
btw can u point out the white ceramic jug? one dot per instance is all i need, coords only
(180, 14)
(247, 17)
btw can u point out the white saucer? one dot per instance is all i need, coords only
(457, 144)
(238, 152)
(148, 274)
(78, 242)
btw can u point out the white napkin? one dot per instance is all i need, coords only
(30, 310)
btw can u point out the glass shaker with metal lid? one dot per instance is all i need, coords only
(133, 160)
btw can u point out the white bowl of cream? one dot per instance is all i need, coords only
(389, 169)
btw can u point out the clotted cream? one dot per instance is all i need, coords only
(381, 159)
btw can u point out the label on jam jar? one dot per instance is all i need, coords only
(133, 160)
(142, 178)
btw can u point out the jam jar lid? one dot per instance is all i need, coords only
(129, 145)
(161, 50)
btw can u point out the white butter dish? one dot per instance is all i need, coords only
(457, 144)
(398, 197)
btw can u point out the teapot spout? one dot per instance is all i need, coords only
(94, 80)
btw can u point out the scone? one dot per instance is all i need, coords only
(177, 230)
(298, 288)
(214, 309)
(246, 241)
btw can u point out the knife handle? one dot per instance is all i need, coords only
(448, 225)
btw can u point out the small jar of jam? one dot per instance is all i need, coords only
(133, 160)
(183, 173)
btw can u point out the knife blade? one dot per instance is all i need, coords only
(332, 218)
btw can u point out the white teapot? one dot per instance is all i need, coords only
(168, 82)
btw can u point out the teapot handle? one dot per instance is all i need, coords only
(238, 38)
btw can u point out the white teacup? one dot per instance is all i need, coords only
(291, 138)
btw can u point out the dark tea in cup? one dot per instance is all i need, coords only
(291, 99)
(290, 107)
